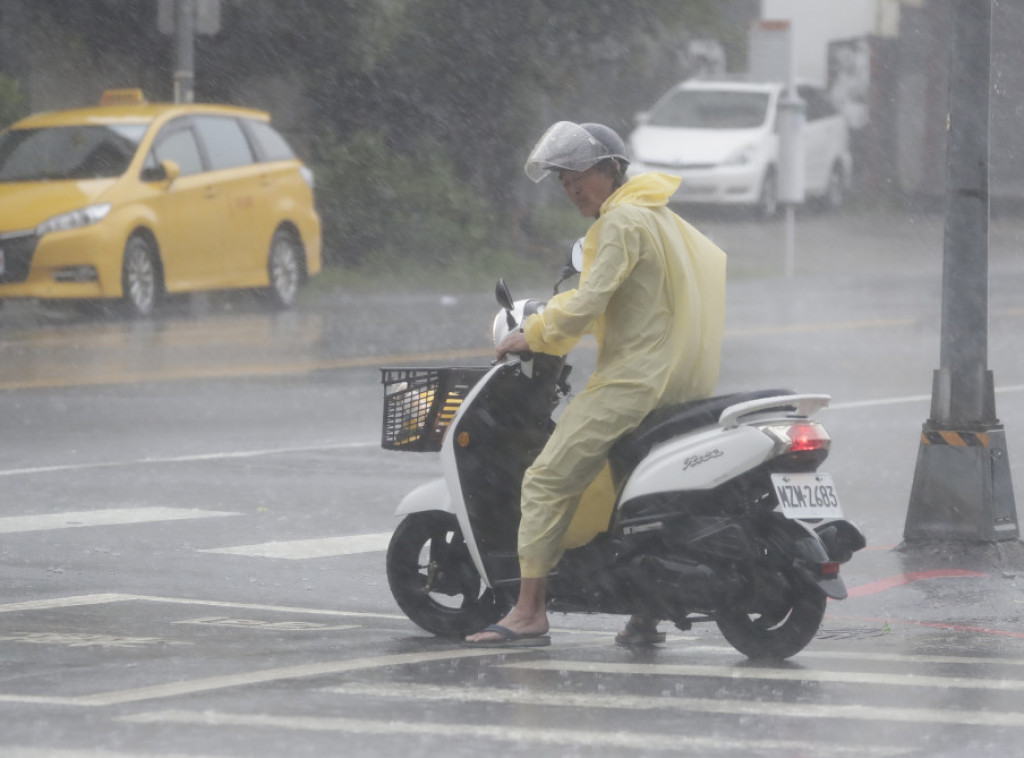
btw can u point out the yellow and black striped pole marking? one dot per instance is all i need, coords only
(956, 439)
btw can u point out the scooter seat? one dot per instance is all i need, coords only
(671, 421)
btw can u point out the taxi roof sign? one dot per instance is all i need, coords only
(132, 96)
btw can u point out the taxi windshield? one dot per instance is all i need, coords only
(711, 109)
(68, 152)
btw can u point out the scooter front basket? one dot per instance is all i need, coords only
(420, 403)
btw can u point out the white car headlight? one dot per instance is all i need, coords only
(742, 156)
(74, 219)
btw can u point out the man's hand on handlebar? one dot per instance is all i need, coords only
(514, 342)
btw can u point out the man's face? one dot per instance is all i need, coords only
(587, 189)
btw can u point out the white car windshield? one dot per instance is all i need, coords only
(711, 109)
(70, 152)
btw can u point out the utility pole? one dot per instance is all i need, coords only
(186, 19)
(185, 39)
(962, 487)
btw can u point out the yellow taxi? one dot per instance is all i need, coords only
(131, 201)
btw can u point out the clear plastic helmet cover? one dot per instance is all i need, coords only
(569, 146)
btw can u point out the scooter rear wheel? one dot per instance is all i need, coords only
(433, 578)
(775, 635)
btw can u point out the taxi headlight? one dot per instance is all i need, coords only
(742, 156)
(74, 219)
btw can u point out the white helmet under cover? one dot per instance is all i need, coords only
(573, 147)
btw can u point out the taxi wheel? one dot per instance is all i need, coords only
(284, 266)
(141, 281)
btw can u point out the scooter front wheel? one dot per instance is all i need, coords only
(433, 578)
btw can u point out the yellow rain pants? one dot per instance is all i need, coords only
(652, 291)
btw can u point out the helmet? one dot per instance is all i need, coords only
(574, 147)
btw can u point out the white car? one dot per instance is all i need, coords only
(720, 137)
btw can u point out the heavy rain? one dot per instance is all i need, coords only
(221, 219)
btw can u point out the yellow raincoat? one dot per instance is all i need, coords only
(652, 291)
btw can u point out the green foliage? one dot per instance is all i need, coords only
(377, 202)
(12, 103)
(430, 105)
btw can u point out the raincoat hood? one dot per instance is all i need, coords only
(649, 190)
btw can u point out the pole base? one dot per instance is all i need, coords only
(962, 488)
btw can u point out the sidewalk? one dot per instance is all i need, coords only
(853, 242)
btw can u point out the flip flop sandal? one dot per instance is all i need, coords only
(508, 638)
(638, 636)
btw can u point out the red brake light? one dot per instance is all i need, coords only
(830, 569)
(804, 437)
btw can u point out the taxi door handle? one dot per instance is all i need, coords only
(210, 193)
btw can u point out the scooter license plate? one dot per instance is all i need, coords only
(807, 496)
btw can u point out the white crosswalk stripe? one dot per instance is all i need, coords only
(325, 547)
(760, 708)
(102, 517)
(569, 738)
(713, 717)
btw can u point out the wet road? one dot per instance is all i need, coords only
(195, 509)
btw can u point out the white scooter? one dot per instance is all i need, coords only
(721, 513)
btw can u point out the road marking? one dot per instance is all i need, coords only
(101, 599)
(64, 602)
(906, 399)
(209, 684)
(325, 547)
(758, 331)
(293, 368)
(79, 639)
(773, 674)
(936, 625)
(104, 517)
(628, 741)
(16, 751)
(301, 671)
(225, 455)
(914, 576)
(270, 626)
(620, 701)
(850, 655)
(190, 458)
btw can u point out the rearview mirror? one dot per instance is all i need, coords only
(166, 172)
(503, 295)
(574, 265)
(576, 256)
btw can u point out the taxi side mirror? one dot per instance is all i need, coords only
(171, 171)
(166, 173)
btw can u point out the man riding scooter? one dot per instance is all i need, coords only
(652, 291)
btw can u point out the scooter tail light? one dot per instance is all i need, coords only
(798, 437)
(805, 437)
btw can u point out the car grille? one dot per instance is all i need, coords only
(17, 256)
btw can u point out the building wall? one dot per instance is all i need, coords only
(815, 23)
